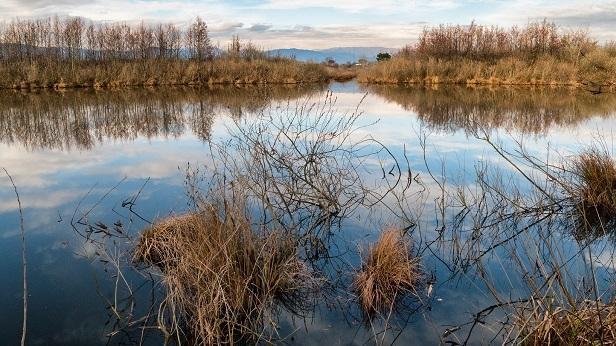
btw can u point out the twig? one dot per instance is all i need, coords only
(23, 260)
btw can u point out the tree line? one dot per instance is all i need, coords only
(493, 42)
(75, 39)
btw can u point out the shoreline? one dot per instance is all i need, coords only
(432, 81)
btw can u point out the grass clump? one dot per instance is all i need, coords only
(589, 323)
(223, 280)
(388, 273)
(596, 170)
(594, 188)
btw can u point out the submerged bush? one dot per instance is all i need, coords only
(222, 279)
(389, 272)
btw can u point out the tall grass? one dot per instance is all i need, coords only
(222, 279)
(539, 54)
(593, 189)
(388, 273)
(160, 72)
(588, 323)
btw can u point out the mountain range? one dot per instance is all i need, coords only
(340, 54)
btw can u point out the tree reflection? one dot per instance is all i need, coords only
(529, 110)
(81, 119)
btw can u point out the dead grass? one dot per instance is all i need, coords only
(110, 74)
(388, 273)
(590, 323)
(223, 280)
(341, 74)
(594, 186)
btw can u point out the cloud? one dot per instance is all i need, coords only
(353, 6)
(318, 37)
(282, 23)
(259, 27)
(598, 17)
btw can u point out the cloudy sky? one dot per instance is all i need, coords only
(328, 23)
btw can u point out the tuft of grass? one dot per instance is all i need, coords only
(589, 323)
(594, 187)
(223, 280)
(388, 273)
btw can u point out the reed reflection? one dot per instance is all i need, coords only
(81, 119)
(532, 111)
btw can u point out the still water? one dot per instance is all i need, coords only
(90, 152)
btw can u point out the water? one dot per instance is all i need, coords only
(66, 151)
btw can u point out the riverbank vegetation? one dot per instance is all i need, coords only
(588, 323)
(63, 53)
(539, 54)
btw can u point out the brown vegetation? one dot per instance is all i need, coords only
(63, 53)
(341, 73)
(589, 323)
(222, 279)
(388, 273)
(539, 54)
(594, 190)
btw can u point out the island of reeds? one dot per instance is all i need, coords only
(71, 52)
(539, 54)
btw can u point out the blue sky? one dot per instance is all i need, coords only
(328, 23)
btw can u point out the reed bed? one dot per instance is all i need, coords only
(388, 273)
(223, 280)
(88, 74)
(539, 54)
(589, 323)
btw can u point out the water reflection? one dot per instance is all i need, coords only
(81, 119)
(533, 111)
(145, 135)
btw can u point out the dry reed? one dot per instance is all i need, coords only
(223, 280)
(539, 54)
(388, 273)
(593, 189)
(589, 323)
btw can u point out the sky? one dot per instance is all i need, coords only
(317, 24)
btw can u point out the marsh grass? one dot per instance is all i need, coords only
(589, 323)
(388, 273)
(593, 187)
(590, 72)
(150, 73)
(538, 54)
(223, 280)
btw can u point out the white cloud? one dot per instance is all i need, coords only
(359, 23)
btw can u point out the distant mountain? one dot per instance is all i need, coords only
(340, 54)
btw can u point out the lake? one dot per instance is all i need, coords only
(83, 157)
